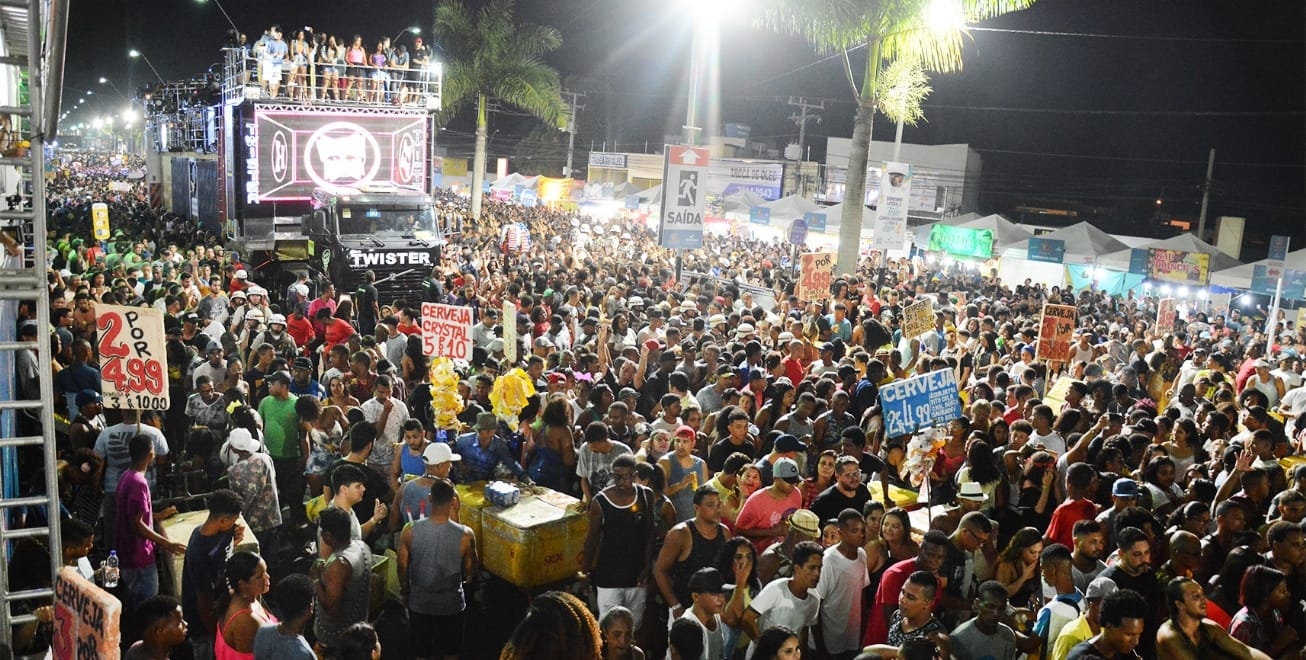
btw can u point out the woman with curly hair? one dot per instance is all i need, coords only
(558, 626)
(1017, 567)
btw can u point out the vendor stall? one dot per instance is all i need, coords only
(535, 542)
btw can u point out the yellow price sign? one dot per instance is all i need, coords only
(100, 220)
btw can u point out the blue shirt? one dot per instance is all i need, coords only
(313, 388)
(478, 464)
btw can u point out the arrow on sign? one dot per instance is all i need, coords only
(687, 156)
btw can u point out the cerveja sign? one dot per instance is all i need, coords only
(962, 241)
(289, 153)
(921, 401)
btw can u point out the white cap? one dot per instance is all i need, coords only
(301, 289)
(241, 274)
(241, 440)
(439, 452)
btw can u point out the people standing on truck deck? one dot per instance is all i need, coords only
(272, 61)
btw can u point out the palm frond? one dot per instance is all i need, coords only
(903, 85)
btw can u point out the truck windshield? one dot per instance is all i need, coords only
(419, 222)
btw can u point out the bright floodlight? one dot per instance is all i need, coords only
(133, 53)
(1165, 290)
(1182, 292)
(103, 80)
(945, 15)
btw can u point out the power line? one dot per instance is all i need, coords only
(1137, 37)
(1133, 159)
(1158, 113)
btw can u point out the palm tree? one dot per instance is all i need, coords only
(890, 30)
(491, 57)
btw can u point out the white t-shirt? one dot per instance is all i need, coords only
(713, 640)
(1053, 441)
(776, 605)
(840, 589)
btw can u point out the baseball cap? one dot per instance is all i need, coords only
(787, 443)
(557, 377)
(786, 469)
(1099, 588)
(627, 392)
(302, 363)
(241, 274)
(707, 581)
(971, 490)
(1125, 487)
(685, 432)
(279, 377)
(806, 522)
(85, 397)
(213, 346)
(439, 452)
(242, 440)
(1299, 472)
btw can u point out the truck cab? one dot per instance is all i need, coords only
(389, 230)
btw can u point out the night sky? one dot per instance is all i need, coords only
(1103, 106)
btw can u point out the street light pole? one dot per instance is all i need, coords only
(224, 15)
(133, 53)
(414, 30)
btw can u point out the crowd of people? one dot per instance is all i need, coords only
(309, 65)
(725, 438)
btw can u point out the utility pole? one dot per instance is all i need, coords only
(1206, 195)
(802, 118)
(573, 101)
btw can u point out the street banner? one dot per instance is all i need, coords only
(1294, 282)
(815, 221)
(1178, 266)
(509, 317)
(891, 207)
(920, 401)
(1301, 318)
(447, 331)
(1049, 250)
(816, 271)
(962, 241)
(1055, 333)
(1278, 255)
(917, 318)
(684, 197)
(759, 215)
(86, 619)
(1167, 312)
(133, 360)
(100, 221)
(1138, 261)
(728, 176)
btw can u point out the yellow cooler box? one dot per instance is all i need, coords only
(179, 528)
(532, 543)
(472, 507)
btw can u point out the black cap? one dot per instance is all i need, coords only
(707, 581)
(303, 363)
(279, 377)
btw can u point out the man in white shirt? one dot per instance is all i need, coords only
(843, 577)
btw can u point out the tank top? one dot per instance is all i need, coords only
(354, 602)
(702, 554)
(410, 464)
(355, 55)
(435, 572)
(414, 500)
(221, 651)
(625, 531)
(683, 500)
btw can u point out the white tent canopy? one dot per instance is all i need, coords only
(1240, 277)
(742, 201)
(834, 220)
(792, 207)
(513, 180)
(1187, 242)
(1084, 244)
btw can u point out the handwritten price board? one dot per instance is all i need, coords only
(85, 619)
(919, 402)
(447, 331)
(917, 318)
(133, 362)
(816, 271)
(1167, 312)
(1055, 332)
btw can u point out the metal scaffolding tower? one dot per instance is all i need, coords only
(33, 51)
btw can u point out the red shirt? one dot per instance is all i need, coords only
(339, 331)
(301, 330)
(793, 370)
(877, 629)
(1064, 517)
